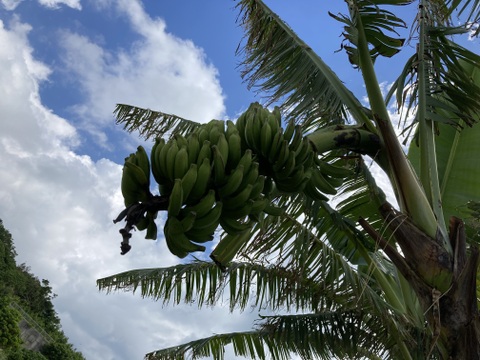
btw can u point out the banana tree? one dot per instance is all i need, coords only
(360, 277)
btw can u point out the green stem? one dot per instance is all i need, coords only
(428, 159)
(410, 195)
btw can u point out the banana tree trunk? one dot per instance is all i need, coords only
(445, 284)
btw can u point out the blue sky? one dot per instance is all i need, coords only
(64, 64)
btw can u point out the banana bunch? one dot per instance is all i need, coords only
(286, 155)
(135, 187)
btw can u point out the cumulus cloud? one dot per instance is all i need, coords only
(53, 4)
(159, 71)
(59, 204)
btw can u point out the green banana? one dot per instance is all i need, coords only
(218, 166)
(258, 187)
(275, 119)
(313, 192)
(181, 163)
(181, 140)
(240, 211)
(157, 172)
(275, 146)
(193, 147)
(162, 160)
(273, 210)
(214, 134)
(170, 160)
(233, 226)
(234, 150)
(321, 183)
(175, 200)
(334, 171)
(210, 220)
(205, 152)
(282, 156)
(295, 182)
(228, 247)
(189, 180)
(246, 160)
(134, 184)
(203, 206)
(289, 130)
(287, 168)
(232, 183)
(252, 176)
(222, 145)
(202, 135)
(188, 220)
(177, 242)
(141, 159)
(297, 138)
(231, 129)
(202, 184)
(238, 200)
(266, 138)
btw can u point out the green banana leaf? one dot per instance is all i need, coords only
(458, 162)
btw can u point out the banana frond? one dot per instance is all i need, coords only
(378, 25)
(340, 335)
(469, 8)
(267, 287)
(294, 245)
(286, 69)
(451, 95)
(151, 124)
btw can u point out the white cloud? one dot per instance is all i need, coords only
(53, 4)
(159, 71)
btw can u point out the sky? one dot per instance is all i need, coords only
(64, 64)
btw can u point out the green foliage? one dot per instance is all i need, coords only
(9, 330)
(60, 351)
(24, 354)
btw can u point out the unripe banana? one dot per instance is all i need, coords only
(282, 156)
(181, 163)
(251, 135)
(275, 119)
(181, 140)
(258, 187)
(218, 166)
(193, 148)
(210, 220)
(214, 134)
(170, 161)
(252, 176)
(157, 172)
(321, 183)
(239, 212)
(303, 151)
(188, 220)
(266, 138)
(234, 150)
(273, 210)
(231, 129)
(141, 159)
(233, 182)
(289, 130)
(162, 159)
(275, 146)
(228, 247)
(175, 201)
(295, 182)
(222, 145)
(189, 180)
(297, 138)
(333, 170)
(246, 160)
(234, 226)
(287, 168)
(239, 199)
(134, 184)
(313, 192)
(203, 206)
(203, 180)
(205, 152)
(202, 135)
(177, 242)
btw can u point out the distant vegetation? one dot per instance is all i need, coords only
(18, 285)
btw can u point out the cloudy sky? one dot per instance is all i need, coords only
(64, 64)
